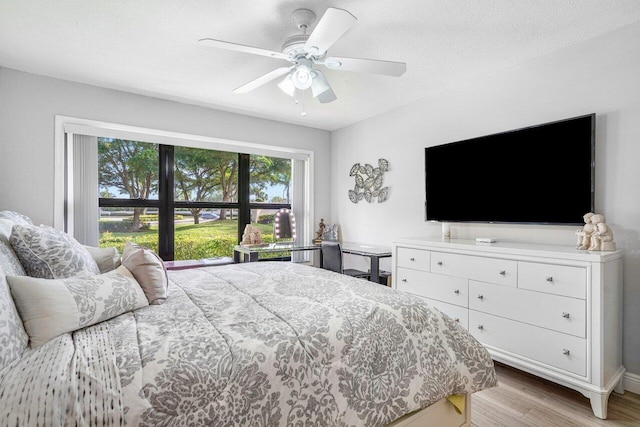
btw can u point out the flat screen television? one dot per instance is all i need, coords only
(541, 174)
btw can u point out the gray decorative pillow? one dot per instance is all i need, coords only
(108, 259)
(8, 259)
(50, 254)
(49, 308)
(13, 338)
(148, 269)
(15, 218)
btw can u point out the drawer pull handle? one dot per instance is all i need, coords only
(439, 262)
(412, 259)
(503, 273)
(404, 280)
(457, 292)
(565, 315)
(480, 296)
(480, 327)
(566, 352)
(457, 319)
(549, 279)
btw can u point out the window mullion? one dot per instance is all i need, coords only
(244, 209)
(166, 229)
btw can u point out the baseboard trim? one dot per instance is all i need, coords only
(632, 382)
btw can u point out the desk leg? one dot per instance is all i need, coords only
(375, 269)
(320, 257)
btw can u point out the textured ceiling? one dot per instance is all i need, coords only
(150, 46)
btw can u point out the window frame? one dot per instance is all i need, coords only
(66, 126)
(166, 203)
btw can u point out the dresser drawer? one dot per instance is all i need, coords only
(412, 281)
(562, 314)
(553, 279)
(553, 348)
(493, 270)
(416, 259)
(453, 290)
(459, 314)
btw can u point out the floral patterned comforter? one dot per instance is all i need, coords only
(257, 344)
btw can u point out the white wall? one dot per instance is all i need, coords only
(600, 76)
(28, 104)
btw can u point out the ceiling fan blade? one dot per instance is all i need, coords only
(333, 24)
(263, 80)
(388, 68)
(327, 96)
(242, 48)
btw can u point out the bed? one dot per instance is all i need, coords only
(252, 344)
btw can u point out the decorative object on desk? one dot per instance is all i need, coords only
(251, 235)
(320, 232)
(602, 236)
(284, 225)
(369, 182)
(584, 234)
(331, 233)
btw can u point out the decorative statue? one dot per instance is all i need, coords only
(320, 232)
(584, 234)
(251, 235)
(602, 237)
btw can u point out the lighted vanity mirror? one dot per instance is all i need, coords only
(284, 225)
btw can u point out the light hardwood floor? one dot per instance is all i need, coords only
(522, 399)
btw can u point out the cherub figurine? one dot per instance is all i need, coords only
(584, 234)
(320, 231)
(602, 237)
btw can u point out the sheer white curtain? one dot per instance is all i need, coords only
(299, 205)
(82, 209)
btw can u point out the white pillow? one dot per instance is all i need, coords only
(49, 308)
(148, 269)
(50, 254)
(108, 259)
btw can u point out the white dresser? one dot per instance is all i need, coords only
(553, 311)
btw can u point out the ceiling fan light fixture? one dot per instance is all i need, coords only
(287, 86)
(319, 84)
(301, 77)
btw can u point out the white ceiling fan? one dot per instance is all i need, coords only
(305, 51)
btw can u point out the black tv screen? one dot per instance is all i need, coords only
(542, 174)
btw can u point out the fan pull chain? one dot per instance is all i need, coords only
(303, 113)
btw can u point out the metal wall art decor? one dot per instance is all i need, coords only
(369, 182)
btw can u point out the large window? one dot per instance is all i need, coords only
(185, 202)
